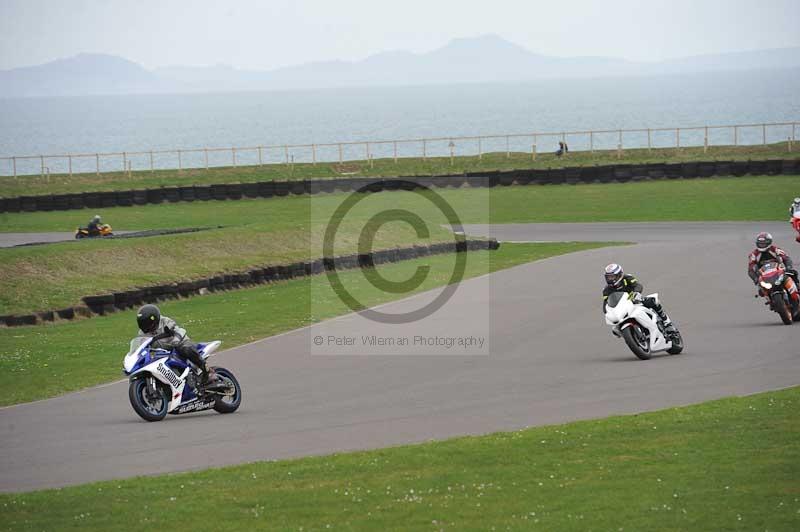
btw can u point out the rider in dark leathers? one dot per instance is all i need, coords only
(169, 335)
(618, 281)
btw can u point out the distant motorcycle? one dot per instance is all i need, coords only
(640, 327)
(103, 230)
(777, 285)
(162, 383)
(796, 224)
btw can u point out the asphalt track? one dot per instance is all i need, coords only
(552, 359)
(8, 240)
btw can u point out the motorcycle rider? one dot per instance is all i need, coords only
(765, 252)
(93, 227)
(618, 281)
(169, 335)
(794, 217)
(794, 208)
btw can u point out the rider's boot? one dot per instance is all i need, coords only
(210, 379)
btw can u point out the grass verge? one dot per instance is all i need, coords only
(406, 166)
(47, 360)
(731, 464)
(281, 230)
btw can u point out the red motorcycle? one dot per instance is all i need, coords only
(780, 289)
(796, 224)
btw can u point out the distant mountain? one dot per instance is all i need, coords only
(486, 58)
(78, 75)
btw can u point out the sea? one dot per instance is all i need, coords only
(140, 123)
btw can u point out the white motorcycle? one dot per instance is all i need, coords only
(639, 326)
(162, 383)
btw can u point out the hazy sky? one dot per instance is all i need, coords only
(272, 33)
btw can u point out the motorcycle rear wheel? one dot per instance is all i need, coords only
(150, 407)
(227, 404)
(637, 342)
(779, 306)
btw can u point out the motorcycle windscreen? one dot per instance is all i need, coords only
(615, 297)
(135, 343)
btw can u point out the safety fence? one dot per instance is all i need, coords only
(98, 305)
(444, 146)
(269, 189)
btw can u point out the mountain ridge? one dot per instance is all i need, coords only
(486, 58)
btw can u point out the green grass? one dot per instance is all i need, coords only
(63, 183)
(47, 360)
(283, 230)
(724, 465)
(728, 198)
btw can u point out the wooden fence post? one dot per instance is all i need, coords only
(649, 143)
(233, 156)
(366, 145)
(591, 141)
(735, 135)
(620, 139)
(340, 153)
(41, 157)
(286, 153)
(508, 149)
(764, 133)
(533, 152)
(69, 161)
(314, 154)
(152, 168)
(424, 150)
(97, 163)
(395, 151)
(678, 138)
(259, 156)
(452, 147)
(705, 140)
(124, 162)
(14, 166)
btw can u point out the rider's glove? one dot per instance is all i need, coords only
(636, 297)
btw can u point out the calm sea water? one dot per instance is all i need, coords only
(141, 123)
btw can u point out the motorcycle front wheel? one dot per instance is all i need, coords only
(779, 306)
(637, 342)
(677, 344)
(151, 405)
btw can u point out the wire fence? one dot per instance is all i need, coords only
(424, 148)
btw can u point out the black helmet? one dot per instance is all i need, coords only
(148, 318)
(763, 241)
(613, 275)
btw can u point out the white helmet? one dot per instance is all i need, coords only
(614, 275)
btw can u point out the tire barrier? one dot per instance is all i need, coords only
(102, 304)
(267, 189)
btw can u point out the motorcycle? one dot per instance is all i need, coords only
(796, 224)
(162, 383)
(103, 230)
(640, 327)
(779, 287)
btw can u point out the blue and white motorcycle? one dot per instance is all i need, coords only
(162, 383)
